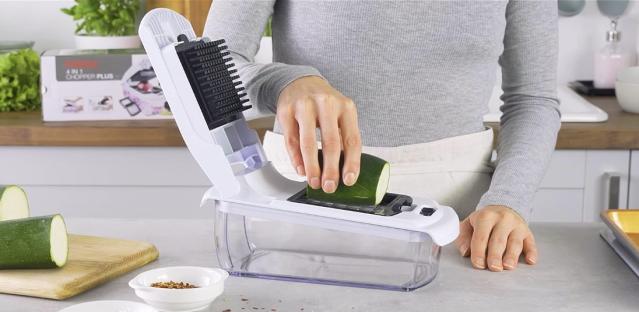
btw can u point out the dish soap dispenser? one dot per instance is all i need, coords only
(609, 59)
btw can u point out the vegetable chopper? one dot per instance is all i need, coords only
(265, 227)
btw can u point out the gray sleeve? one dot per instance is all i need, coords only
(531, 117)
(242, 24)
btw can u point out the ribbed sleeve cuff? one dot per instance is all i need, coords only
(518, 200)
(270, 90)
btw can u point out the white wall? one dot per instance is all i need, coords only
(39, 21)
(580, 36)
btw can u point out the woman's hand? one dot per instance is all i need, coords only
(309, 103)
(494, 237)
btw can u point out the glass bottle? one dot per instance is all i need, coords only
(612, 57)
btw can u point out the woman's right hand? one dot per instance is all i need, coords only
(309, 103)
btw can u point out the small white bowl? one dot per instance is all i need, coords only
(628, 74)
(628, 96)
(210, 284)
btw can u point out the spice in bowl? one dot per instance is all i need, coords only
(173, 285)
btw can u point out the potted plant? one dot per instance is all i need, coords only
(265, 54)
(107, 24)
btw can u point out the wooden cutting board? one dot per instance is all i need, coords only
(92, 261)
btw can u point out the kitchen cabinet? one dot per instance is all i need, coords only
(579, 184)
(607, 175)
(107, 182)
(166, 182)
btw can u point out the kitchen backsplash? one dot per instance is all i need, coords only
(580, 36)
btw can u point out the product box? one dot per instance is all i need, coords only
(100, 85)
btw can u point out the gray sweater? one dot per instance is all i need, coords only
(418, 71)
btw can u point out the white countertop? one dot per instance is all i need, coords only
(578, 271)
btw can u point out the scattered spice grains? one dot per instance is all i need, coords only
(273, 310)
(244, 299)
(227, 310)
(173, 285)
(226, 299)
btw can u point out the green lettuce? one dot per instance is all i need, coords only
(20, 81)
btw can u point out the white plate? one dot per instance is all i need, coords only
(110, 306)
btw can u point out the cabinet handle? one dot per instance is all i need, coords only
(613, 187)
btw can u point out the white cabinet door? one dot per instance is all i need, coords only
(90, 201)
(100, 166)
(561, 193)
(633, 194)
(107, 182)
(558, 205)
(607, 175)
(566, 170)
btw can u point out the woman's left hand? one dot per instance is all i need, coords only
(495, 237)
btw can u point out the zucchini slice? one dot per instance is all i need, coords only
(369, 190)
(13, 203)
(34, 243)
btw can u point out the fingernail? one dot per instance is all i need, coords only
(463, 248)
(532, 259)
(509, 263)
(300, 170)
(349, 179)
(315, 183)
(479, 263)
(495, 264)
(329, 186)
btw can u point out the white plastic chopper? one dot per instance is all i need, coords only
(265, 226)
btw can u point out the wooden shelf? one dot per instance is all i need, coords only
(28, 129)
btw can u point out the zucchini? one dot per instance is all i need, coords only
(369, 190)
(13, 203)
(33, 243)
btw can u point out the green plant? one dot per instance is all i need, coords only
(19, 81)
(105, 17)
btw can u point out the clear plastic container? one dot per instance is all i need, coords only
(262, 248)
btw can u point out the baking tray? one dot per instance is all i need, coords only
(624, 225)
(622, 252)
(587, 87)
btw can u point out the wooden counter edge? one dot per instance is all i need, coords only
(621, 131)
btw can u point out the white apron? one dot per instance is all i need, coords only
(455, 172)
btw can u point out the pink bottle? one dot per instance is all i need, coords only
(610, 59)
